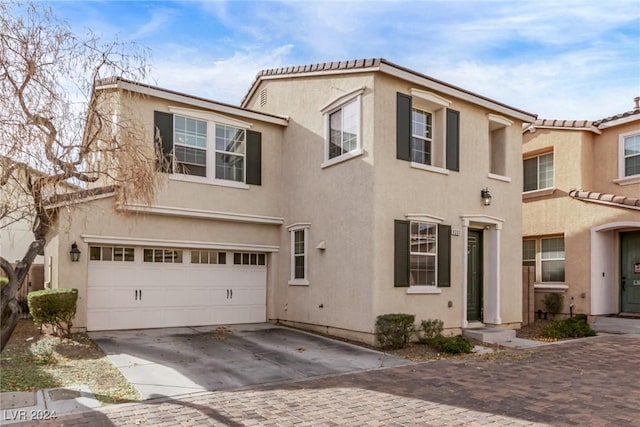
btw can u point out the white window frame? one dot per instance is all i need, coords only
(539, 262)
(354, 97)
(176, 144)
(429, 140)
(539, 189)
(435, 105)
(231, 153)
(212, 119)
(113, 253)
(292, 236)
(624, 179)
(433, 254)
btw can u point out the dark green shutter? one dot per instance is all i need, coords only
(163, 133)
(401, 253)
(403, 127)
(453, 140)
(444, 256)
(254, 158)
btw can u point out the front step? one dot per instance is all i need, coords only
(490, 335)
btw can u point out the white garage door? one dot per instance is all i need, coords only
(144, 287)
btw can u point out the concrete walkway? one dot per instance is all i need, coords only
(616, 325)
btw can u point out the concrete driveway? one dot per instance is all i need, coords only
(175, 361)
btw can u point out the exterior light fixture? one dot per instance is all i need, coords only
(486, 196)
(74, 253)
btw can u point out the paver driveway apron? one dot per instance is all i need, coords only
(175, 361)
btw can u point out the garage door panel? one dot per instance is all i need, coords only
(132, 295)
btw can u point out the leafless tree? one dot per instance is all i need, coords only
(60, 135)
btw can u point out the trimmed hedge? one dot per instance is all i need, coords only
(394, 329)
(55, 307)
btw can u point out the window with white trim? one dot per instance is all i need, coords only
(547, 256)
(630, 155)
(423, 251)
(230, 152)
(344, 129)
(111, 253)
(299, 236)
(208, 257)
(421, 136)
(207, 147)
(160, 255)
(190, 145)
(538, 172)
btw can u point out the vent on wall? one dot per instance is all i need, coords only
(263, 97)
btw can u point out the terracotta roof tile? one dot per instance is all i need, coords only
(609, 199)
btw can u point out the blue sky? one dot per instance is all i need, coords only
(558, 59)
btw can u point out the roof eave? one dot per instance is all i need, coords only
(191, 100)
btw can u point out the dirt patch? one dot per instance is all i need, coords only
(32, 361)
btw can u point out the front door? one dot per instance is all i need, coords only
(474, 276)
(630, 272)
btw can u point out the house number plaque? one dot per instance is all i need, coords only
(636, 267)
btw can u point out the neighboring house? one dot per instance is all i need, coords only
(335, 193)
(581, 213)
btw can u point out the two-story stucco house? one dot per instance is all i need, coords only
(581, 211)
(335, 193)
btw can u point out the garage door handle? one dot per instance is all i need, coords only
(136, 295)
(140, 294)
(231, 290)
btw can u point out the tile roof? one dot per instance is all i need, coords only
(593, 126)
(355, 65)
(607, 199)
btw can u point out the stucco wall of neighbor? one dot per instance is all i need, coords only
(337, 202)
(401, 190)
(581, 161)
(15, 239)
(607, 157)
(97, 218)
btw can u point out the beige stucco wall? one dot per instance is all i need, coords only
(336, 201)
(585, 161)
(352, 205)
(401, 190)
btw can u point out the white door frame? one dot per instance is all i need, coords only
(491, 266)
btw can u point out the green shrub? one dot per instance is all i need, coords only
(574, 327)
(43, 349)
(450, 345)
(429, 328)
(55, 307)
(553, 302)
(394, 329)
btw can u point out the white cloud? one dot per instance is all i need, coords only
(224, 80)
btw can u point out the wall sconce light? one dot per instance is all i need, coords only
(74, 252)
(486, 196)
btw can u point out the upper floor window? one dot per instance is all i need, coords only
(538, 172)
(343, 139)
(190, 146)
(207, 147)
(343, 129)
(630, 155)
(230, 153)
(421, 136)
(427, 132)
